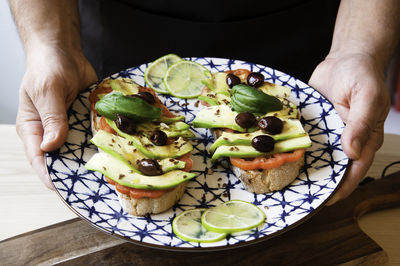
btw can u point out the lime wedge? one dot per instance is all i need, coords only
(232, 216)
(183, 79)
(155, 73)
(187, 226)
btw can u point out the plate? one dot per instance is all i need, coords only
(94, 200)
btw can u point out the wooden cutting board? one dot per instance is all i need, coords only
(332, 236)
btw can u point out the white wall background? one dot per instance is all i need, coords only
(12, 65)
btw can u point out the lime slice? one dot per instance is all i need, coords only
(155, 73)
(232, 216)
(187, 226)
(183, 79)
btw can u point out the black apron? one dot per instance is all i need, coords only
(293, 36)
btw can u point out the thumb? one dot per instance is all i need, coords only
(52, 110)
(361, 121)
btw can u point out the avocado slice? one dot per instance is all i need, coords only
(176, 129)
(219, 83)
(208, 100)
(292, 128)
(170, 120)
(124, 151)
(275, 90)
(122, 174)
(289, 110)
(145, 146)
(250, 152)
(125, 85)
(218, 116)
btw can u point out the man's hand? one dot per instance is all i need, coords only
(354, 84)
(52, 80)
(352, 78)
(56, 71)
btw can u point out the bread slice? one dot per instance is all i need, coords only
(266, 180)
(143, 206)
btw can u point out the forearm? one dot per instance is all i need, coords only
(52, 23)
(369, 27)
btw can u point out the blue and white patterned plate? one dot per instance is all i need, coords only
(93, 199)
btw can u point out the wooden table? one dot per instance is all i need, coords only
(25, 204)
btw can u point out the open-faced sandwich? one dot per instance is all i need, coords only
(143, 147)
(256, 126)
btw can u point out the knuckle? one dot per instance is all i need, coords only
(53, 119)
(365, 126)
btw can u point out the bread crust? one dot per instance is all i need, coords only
(268, 180)
(143, 206)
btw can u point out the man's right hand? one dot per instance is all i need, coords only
(53, 78)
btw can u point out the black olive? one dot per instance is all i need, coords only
(159, 137)
(232, 80)
(271, 125)
(149, 167)
(125, 124)
(245, 119)
(263, 143)
(145, 95)
(255, 79)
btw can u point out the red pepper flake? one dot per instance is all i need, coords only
(225, 195)
(121, 176)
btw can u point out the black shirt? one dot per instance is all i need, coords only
(289, 35)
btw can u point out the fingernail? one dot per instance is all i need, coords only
(356, 147)
(48, 137)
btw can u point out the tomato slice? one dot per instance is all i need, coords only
(141, 193)
(241, 73)
(110, 181)
(138, 193)
(105, 126)
(275, 161)
(189, 162)
(103, 87)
